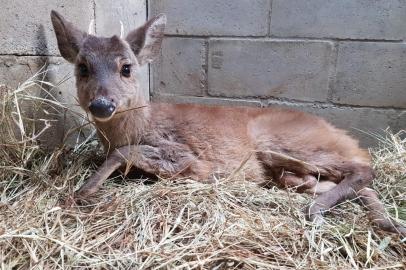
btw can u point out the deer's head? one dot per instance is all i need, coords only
(106, 69)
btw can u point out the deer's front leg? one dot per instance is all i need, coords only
(137, 155)
(114, 161)
(165, 161)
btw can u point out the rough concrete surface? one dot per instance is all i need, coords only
(214, 17)
(263, 68)
(181, 67)
(26, 28)
(345, 19)
(109, 13)
(371, 74)
(207, 100)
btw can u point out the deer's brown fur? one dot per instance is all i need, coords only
(292, 148)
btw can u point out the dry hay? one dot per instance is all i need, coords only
(232, 224)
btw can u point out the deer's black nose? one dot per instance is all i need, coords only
(102, 108)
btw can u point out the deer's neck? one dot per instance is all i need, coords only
(129, 127)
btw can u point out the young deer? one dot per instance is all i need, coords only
(292, 148)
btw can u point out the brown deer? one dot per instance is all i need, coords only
(292, 148)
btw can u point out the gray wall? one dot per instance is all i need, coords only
(28, 43)
(341, 59)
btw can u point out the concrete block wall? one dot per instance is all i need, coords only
(341, 59)
(344, 60)
(28, 43)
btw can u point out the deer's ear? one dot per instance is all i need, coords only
(146, 40)
(68, 36)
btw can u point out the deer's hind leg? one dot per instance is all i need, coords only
(293, 170)
(355, 186)
(302, 184)
(356, 177)
(345, 181)
(376, 212)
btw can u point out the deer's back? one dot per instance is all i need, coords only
(225, 135)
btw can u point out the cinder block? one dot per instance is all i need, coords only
(371, 74)
(181, 68)
(26, 28)
(16, 70)
(265, 68)
(132, 14)
(214, 17)
(346, 19)
(109, 13)
(207, 100)
(360, 122)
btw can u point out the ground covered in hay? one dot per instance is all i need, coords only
(133, 224)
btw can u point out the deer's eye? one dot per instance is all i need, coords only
(83, 70)
(126, 70)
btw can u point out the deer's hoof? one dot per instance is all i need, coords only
(84, 196)
(314, 214)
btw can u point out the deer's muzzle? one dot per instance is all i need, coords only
(102, 108)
